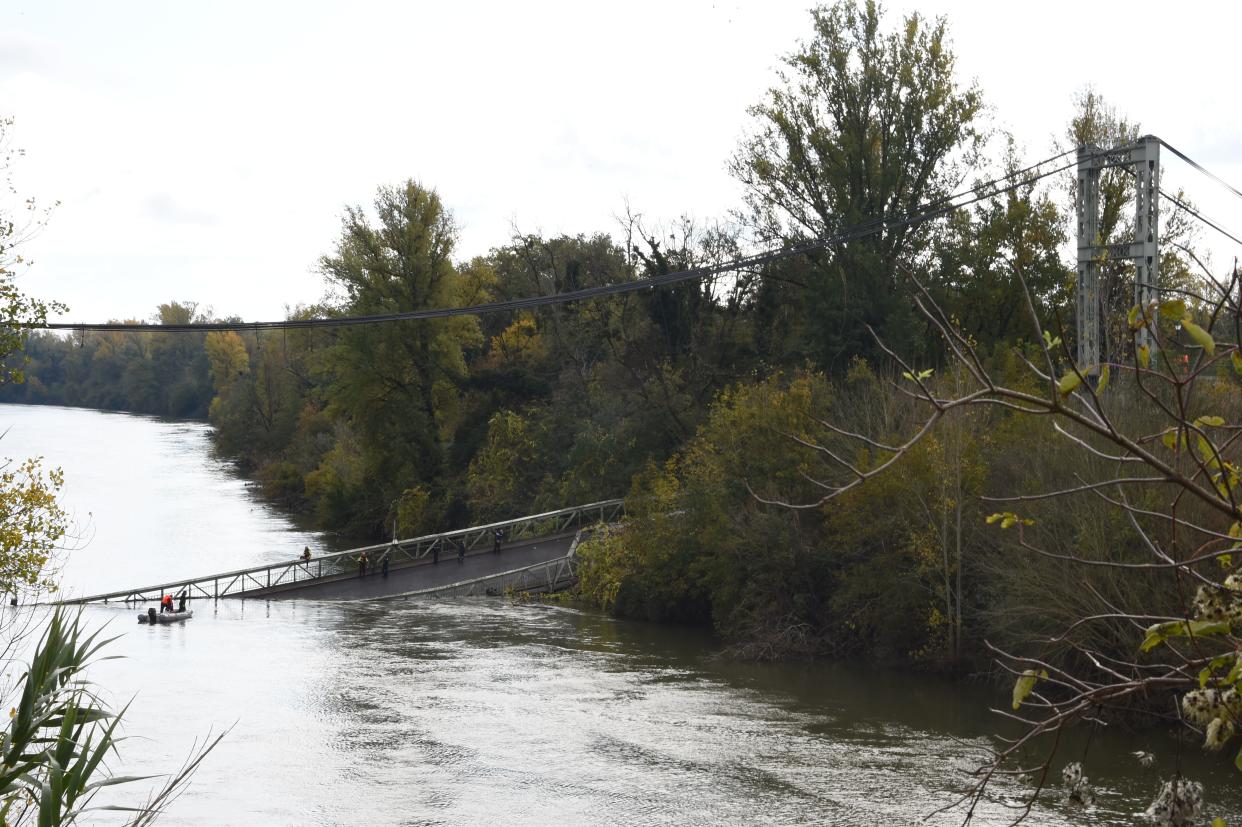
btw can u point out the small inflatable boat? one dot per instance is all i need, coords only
(153, 617)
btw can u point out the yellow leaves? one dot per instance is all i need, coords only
(921, 376)
(1172, 438)
(1174, 309)
(1160, 632)
(520, 343)
(497, 477)
(418, 511)
(1215, 665)
(227, 354)
(1144, 356)
(1206, 450)
(1202, 338)
(1008, 519)
(606, 559)
(1026, 684)
(1235, 533)
(1226, 479)
(1069, 382)
(31, 521)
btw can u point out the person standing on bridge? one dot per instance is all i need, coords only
(497, 537)
(362, 565)
(461, 551)
(384, 565)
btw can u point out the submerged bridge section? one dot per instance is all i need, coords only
(537, 555)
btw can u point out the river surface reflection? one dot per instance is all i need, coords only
(462, 712)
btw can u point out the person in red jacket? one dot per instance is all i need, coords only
(166, 603)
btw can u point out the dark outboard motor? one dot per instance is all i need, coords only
(151, 616)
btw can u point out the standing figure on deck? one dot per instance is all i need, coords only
(181, 598)
(461, 551)
(384, 565)
(166, 603)
(497, 537)
(362, 564)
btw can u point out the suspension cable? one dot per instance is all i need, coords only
(931, 210)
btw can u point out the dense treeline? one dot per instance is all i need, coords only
(146, 373)
(691, 397)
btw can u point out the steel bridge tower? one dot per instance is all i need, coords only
(1142, 158)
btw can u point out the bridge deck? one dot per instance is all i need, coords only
(423, 574)
(529, 560)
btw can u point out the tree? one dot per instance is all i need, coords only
(32, 525)
(864, 128)
(396, 383)
(1157, 458)
(975, 259)
(505, 470)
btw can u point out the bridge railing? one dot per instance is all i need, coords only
(237, 583)
(549, 575)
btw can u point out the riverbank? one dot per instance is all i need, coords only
(451, 711)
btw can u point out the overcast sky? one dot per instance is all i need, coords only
(203, 151)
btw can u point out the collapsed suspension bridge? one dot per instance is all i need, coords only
(537, 555)
(539, 551)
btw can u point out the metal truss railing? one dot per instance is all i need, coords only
(287, 575)
(550, 575)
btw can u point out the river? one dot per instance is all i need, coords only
(478, 711)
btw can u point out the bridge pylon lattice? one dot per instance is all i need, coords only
(1143, 159)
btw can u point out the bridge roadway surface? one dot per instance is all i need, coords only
(424, 574)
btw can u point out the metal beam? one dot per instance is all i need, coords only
(1146, 159)
(1087, 207)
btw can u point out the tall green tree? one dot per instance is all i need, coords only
(394, 385)
(984, 255)
(865, 126)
